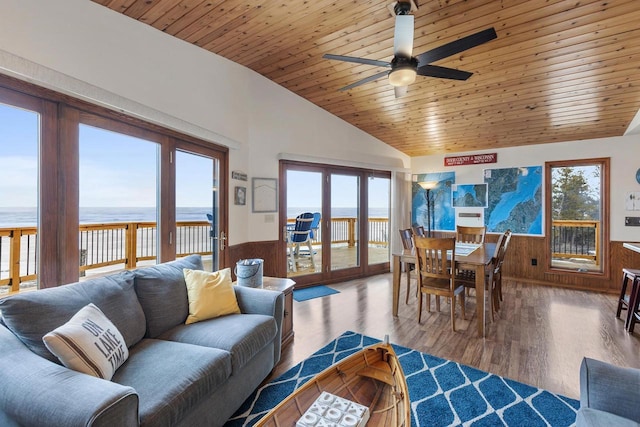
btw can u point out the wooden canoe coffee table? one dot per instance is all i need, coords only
(371, 378)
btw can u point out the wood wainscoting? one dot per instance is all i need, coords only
(266, 250)
(517, 266)
(522, 249)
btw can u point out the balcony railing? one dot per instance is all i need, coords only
(344, 230)
(103, 245)
(576, 239)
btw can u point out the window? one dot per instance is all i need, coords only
(78, 160)
(577, 212)
(19, 143)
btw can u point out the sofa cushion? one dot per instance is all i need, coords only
(210, 295)
(242, 335)
(171, 378)
(88, 343)
(588, 417)
(162, 293)
(31, 315)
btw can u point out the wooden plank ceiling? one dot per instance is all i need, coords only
(560, 70)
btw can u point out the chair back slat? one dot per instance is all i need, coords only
(470, 234)
(406, 236)
(435, 256)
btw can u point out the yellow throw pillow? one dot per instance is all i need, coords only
(210, 294)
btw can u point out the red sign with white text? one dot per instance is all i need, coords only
(476, 159)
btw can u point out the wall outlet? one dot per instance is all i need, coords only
(534, 261)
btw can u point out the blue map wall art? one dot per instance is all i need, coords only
(515, 200)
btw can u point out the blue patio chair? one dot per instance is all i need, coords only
(315, 224)
(301, 233)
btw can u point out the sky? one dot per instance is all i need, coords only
(304, 189)
(118, 170)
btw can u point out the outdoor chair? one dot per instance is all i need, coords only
(435, 274)
(301, 233)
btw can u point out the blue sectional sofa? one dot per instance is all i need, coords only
(609, 395)
(175, 375)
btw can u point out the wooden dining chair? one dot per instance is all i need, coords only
(505, 244)
(466, 234)
(493, 275)
(436, 274)
(406, 236)
(418, 230)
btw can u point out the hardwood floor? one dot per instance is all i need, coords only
(540, 337)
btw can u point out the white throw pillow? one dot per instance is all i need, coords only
(88, 343)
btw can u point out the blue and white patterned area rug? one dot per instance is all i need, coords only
(442, 392)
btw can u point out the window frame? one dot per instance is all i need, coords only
(58, 184)
(605, 165)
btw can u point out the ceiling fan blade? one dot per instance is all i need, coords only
(357, 60)
(443, 72)
(365, 80)
(457, 46)
(400, 91)
(403, 36)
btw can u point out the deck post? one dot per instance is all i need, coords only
(14, 260)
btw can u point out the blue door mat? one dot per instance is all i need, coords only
(313, 292)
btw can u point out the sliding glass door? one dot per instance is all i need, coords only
(118, 201)
(197, 208)
(348, 236)
(345, 221)
(19, 146)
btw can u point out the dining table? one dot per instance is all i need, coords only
(477, 260)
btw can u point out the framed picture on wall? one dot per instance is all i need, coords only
(264, 194)
(240, 196)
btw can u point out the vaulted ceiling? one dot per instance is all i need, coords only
(559, 70)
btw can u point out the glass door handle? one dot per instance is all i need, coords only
(222, 240)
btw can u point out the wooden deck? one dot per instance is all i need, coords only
(540, 337)
(342, 256)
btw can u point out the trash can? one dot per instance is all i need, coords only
(249, 272)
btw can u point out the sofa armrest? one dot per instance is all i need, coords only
(610, 388)
(36, 392)
(263, 301)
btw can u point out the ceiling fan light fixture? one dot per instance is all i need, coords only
(402, 76)
(403, 71)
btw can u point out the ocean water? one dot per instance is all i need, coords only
(26, 217)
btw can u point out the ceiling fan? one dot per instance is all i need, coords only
(404, 66)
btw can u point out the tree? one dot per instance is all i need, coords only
(572, 196)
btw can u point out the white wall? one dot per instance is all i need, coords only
(624, 152)
(84, 49)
